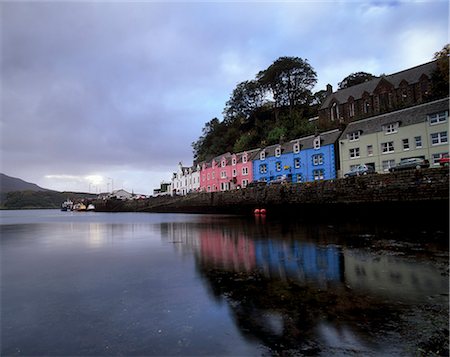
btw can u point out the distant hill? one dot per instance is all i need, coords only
(19, 194)
(10, 184)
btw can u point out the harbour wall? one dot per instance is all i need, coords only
(423, 193)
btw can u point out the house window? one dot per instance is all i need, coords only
(278, 166)
(278, 152)
(223, 163)
(436, 157)
(234, 173)
(353, 136)
(354, 153)
(437, 118)
(439, 138)
(366, 106)
(369, 150)
(297, 162)
(386, 164)
(244, 183)
(213, 175)
(334, 112)
(296, 148)
(245, 171)
(418, 141)
(390, 128)
(208, 176)
(262, 155)
(405, 144)
(317, 159)
(299, 178)
(223, 174)
(244, 158)
(318, 174)
(316, 143)
(262, 169)
(387, 147)
(233, 161)
(351, 109)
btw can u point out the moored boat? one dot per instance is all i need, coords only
(90, 207)
(67, 205)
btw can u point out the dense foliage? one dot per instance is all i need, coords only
(272, 107)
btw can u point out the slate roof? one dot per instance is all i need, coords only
(408, 116)
(411, 75)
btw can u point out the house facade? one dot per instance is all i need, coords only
(380, 95)
(306, 159)
(185, 180)
(384, 140)
(227, 172)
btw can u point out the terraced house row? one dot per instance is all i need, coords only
(378, 123)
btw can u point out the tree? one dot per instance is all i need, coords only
(246, 98)
(290, 80)
(440, 76)
(354, 79)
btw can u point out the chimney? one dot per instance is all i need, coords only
(329, 89)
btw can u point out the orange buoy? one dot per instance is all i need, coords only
(262, 211)
(256, 211)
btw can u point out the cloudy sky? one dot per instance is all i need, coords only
(98, 94)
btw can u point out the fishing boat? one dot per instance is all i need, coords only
(90, 207)
(67, 205)
(79, 207)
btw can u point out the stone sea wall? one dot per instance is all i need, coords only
(422, 192)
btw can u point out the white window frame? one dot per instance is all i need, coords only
(316, 143)
(223, 174)
(233, 161)
(418, 142)
(405, 143)
(439, 138)
(390, 128)
(263, 168)
(296, 148)
(262, 155)
(245, 171)
(354, 153)
(369, 150)
(437, 118)
(297, 162)
(278, 166)
(244, 158)
(317, 159)
(278, 152)
(318, 174)
(387, 147)
(234, 172)
(354, 136)
(386, 164)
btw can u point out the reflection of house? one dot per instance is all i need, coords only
(393, 276)
(229, 252)
(299, 261)
(383, 141)
(305, 159)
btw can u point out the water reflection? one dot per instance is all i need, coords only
(317, 293)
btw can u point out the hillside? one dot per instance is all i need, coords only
(16, 193)
(9, 184)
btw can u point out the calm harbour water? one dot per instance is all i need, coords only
(85, 284)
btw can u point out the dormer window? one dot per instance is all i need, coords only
(244, 158)
(316, 143)
(223, 163)
(390, 128)
(233, 161)
(262, 155)
(278, 152)
(354, 136)
(296, 148)
(437, 118)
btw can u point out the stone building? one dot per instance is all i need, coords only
(378, 96)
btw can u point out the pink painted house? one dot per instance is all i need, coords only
(227, 172)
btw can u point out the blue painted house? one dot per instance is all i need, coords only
(306, 159)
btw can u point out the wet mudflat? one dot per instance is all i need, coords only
(174, 284)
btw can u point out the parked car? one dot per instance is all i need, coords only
(411, 163)
(360, 170)
(444, 160)
(257, 184)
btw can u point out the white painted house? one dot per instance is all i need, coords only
(185, 180)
